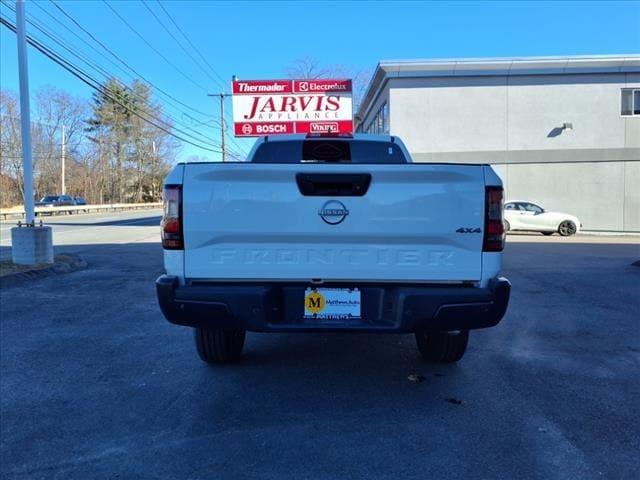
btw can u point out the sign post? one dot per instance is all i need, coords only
(277, 107)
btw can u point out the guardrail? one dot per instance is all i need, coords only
(18, 212)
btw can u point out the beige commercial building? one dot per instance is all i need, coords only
(561, 131)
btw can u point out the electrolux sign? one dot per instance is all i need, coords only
(271, 107)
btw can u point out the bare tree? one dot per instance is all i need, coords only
(112, 155)
(310, 68)
(57, 111)
(10, 149)
(307, 67)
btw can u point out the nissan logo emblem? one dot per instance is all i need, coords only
(333, 212)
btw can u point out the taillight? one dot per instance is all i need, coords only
(171, 226)
(493, 221)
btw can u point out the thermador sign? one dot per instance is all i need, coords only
(271, 107)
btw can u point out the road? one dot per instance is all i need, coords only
(95, 384)
(82, 233)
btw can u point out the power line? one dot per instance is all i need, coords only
(240, 147)
(98, 67)
(178, 42)
(222, 126)
(107, 75)
(222, 84)
(19, 157)
(115, 56)
(95, 84)
(184, 35)
(160, 54)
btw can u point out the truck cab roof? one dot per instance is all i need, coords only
(328, 148)
(345, 137)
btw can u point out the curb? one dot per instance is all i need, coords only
(75, 263)
(602, 233)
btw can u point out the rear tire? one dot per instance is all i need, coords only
(567, 228)
(216, 345)
(442, 347)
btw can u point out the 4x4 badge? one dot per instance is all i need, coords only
(468, 230)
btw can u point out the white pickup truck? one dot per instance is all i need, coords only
(332, 233)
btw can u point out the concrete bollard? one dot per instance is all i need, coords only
(31, 245)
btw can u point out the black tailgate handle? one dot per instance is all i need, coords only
(333, 184)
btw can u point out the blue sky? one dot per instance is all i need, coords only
(262, 39)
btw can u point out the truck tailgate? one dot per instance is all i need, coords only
(416, 222)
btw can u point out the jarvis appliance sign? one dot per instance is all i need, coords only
(271, 107)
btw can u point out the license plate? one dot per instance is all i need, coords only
(332, 303)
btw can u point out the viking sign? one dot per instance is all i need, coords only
(272, 107)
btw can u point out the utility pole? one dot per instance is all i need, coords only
(25, 117)
(31, 244)
(223, 124)
(62, 159)
(154, 161)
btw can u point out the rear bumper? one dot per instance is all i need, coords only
(272, 307)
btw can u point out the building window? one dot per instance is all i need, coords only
(630, 102)
(380, 121)
(385, 118)
(371, 127)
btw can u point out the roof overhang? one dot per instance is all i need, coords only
(473, 67)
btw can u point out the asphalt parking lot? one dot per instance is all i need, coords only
(95, 384)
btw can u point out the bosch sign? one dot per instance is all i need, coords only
(271, 107)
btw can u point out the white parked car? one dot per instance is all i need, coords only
(524, 215)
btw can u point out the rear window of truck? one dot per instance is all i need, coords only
(328, 151)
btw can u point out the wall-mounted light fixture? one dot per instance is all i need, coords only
(567, 126)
